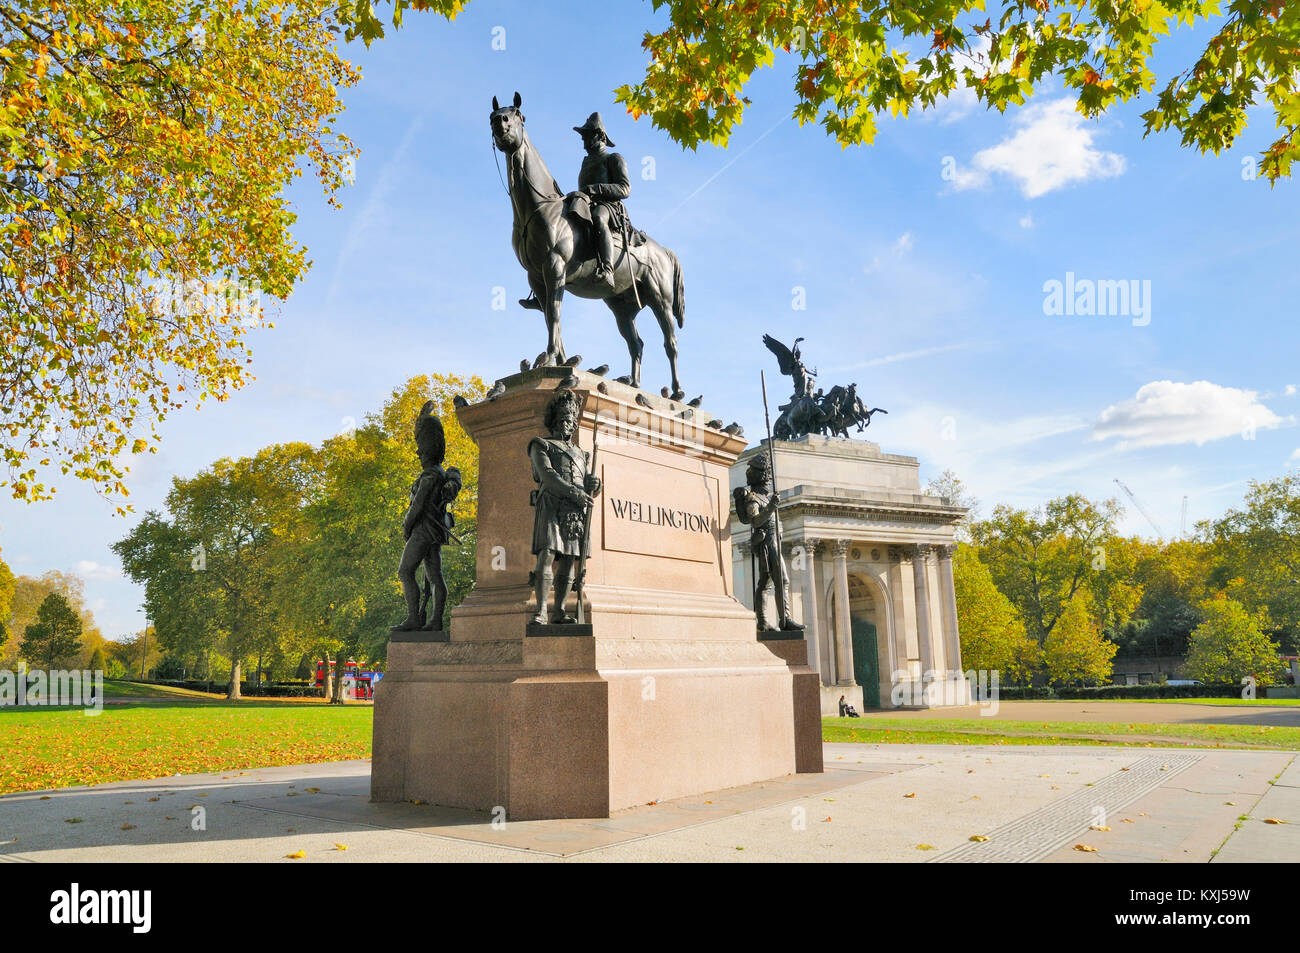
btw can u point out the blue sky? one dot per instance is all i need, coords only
(922, 259)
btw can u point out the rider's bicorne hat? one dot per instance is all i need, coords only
(595, 124)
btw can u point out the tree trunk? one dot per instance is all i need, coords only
(236, 672)
(339, 671)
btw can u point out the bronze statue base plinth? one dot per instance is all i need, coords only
(672, 693)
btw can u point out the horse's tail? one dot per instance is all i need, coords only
(679, 290)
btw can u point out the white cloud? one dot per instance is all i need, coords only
(1168, 412)
(1051, 148)
(1290, 391)
(1027, 221)
(89, 569)
(900, 247)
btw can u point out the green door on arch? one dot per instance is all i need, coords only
(866, 664)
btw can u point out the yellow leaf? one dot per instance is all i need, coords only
(925, 847)
(1098, 827)
(1273, 820)
(1085, 848)
(978, 838)
(913, 794)
(296, 855)
(340, 846)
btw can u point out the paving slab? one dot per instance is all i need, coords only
(909, 803)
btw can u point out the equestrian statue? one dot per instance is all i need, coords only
(583, 243)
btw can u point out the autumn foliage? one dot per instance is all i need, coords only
(144, 151)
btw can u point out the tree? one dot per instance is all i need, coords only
(856, 60)
(99, 660)
(145, 149)
(55, 634)
(348, 592)
(1257, 554)
(6, 599)
(1041, 559)
(28, 594)
(951, 487)
(1076, 651)
(228, 523)
(1228, 646)
(992, 633)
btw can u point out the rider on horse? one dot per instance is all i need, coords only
(603, 181)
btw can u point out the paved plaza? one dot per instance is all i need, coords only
(913, 803)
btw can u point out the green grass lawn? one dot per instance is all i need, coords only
(60, 747)
(1217, 701)
(120, 688)
(884, 730)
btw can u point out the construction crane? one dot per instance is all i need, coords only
(1140, 508)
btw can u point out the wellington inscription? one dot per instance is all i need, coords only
(659, 511)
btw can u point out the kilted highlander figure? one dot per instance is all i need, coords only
(565, 493)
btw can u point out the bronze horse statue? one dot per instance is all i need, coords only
(556, 249)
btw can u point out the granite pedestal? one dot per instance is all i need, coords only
(672, 693)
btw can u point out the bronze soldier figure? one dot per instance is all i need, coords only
(756, 507)
(428, 523)
(566, 490)
(603, 178)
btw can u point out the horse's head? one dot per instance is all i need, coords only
(507, 125)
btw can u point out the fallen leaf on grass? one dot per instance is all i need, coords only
(1085, 848)
(296, 855)
(978, 838)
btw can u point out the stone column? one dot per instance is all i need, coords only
(924, 630)
(948, 595)
(812, 621)
(843, 627)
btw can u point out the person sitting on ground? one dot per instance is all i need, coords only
(843, 706)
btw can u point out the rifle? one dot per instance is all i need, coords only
(579, 582)
(771, 460)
